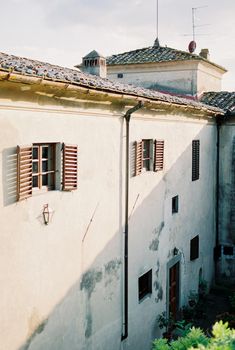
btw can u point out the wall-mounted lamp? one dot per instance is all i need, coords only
(46, 214)
(175, 251)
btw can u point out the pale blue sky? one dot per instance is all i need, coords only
(62, 31)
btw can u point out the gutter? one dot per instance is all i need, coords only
(127, 117)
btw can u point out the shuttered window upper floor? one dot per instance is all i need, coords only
(38, 168)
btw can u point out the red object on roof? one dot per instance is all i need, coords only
(192, 46)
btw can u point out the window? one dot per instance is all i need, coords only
(194, 248)
(195, 159)
(43, 162)
(175, 204)
(120, 75)
(36, 168)
(145, 284)
(149, 156)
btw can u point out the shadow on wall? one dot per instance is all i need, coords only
(9, 178)
(90, 314)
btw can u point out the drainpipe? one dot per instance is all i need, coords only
(127, 117)
(218, 124)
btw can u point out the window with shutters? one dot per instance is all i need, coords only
(149, 155)
(195, 159)
(37, 168)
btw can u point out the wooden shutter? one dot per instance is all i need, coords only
(138, 157)
(195, 159)
(24, 172)
(70, 167)
(159, 155)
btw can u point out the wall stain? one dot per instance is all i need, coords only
(89, 280)
(36, 326)
(159, 291)
(88, 330)
(112, 267)
(158, 268)
(155, 242)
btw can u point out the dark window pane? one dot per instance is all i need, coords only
(44, 166)
(146, 149)
(145, 284)
(146, 164)
(35, 152)
(194, 248)
(44, 152)
(44, 180)
(35, 167)
(35, 181)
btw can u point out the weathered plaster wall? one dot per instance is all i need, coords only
(226, 266)
(155, 231)
(63, 282)
(178, 77)
(208, 78)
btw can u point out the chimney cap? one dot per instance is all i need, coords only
(94, 54)
(205, 54)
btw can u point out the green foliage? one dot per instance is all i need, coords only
(182, 328)
(164, 321)
(223, 338)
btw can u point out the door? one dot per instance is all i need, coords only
(174, 289)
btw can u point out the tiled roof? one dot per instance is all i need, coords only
(28, 67)
(224, 100)
(153, 54)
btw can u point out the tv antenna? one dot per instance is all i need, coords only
(192, 44)
(194, 9)
(157, 18)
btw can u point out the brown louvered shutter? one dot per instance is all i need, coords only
(70, 167)
(195, 159)
(24, 172)
(138, 157)
(159, 155)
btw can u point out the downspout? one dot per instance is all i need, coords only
(127, 117)
(218, 124)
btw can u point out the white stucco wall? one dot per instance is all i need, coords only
(186, 77)
(61, 284)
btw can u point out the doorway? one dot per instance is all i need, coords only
(174, 289)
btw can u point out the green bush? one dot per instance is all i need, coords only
(223, 338)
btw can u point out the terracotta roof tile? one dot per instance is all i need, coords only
(29, 67)
(224, 100)
(154, 54)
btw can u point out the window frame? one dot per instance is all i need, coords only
(145, 285)
(51, 163)
(175, 204)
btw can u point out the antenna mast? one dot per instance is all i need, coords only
(157, 18)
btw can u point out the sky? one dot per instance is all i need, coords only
(63, 31)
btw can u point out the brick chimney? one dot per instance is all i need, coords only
(205, 54)
(94, 64)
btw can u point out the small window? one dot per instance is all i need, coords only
(120, 75)
(194, 248)
(145, 284)
(195, 159)
(175, 204)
